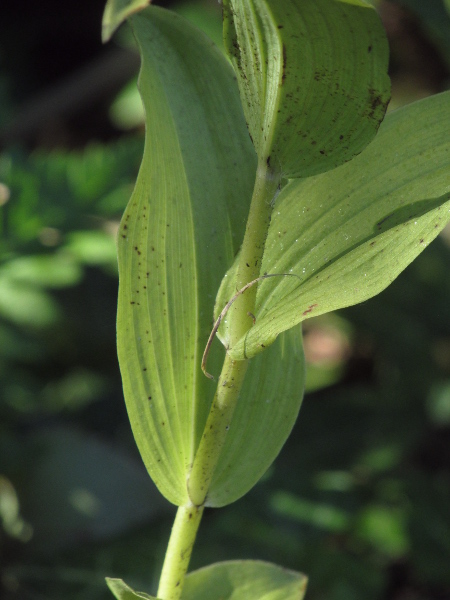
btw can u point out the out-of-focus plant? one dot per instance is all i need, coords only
(315, 235)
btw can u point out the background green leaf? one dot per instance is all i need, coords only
(347, 234)
(244, 580)
(94, 489)
(179, 234)
(265, 414)
(312, 77)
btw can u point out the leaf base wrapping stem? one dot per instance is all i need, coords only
(233, 372)
(265, 190)
(216, 429)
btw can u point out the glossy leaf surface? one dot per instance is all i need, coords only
(244, 580)
(312, 76)
(265, 414)
(116, 12)
(347, 234)
(179, 234)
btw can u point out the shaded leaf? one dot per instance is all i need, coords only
(244, 580)
(122, 591)
(95, 491)
(312, 77)
(179, 234)
(347, 234)
(265, 414)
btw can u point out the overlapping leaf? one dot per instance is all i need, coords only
(312, 76)
(343, 236)
(116, 12)
(265, 414)
(179, 234)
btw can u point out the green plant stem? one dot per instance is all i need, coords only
(179, 552)
(233, 372)
(227, 392)
(216, 428)
(249, 268)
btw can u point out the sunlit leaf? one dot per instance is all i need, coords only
(244, 580)
(179, 234)
(312, 76)
(122, 591)
(126, 111)
(116, 12)
(265, 414)
(347, 234)
(51, 270)
(384, 529)
(26, 304)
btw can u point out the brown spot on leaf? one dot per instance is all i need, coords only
(376, 102)
(309, 309)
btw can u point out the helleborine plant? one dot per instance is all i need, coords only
(311, 212)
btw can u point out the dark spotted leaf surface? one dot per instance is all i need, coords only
(312, 76)
(345, 235)
(179, 234)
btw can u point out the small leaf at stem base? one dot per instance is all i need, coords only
(123, 592)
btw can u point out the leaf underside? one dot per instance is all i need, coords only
(179, 234)
(312, 76)
(347, 234)
(268, 407)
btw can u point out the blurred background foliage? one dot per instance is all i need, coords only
(359, 498)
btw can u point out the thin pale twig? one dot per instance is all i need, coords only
(227, 308)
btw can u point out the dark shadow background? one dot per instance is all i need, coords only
(359, 498)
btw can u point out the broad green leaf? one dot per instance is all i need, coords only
(122, 591)
(265, 414)
(312, 76)
(244, 580)
(118, 11)
(179, 234)
(347, 234)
